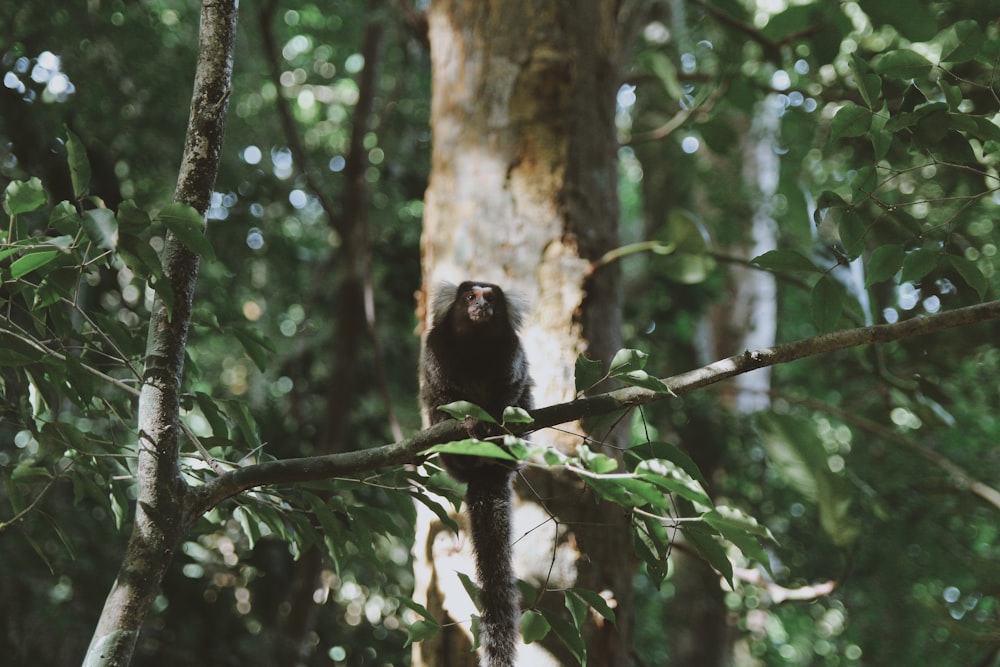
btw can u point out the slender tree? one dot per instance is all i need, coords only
(162, 516)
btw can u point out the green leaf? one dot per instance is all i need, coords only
(213, 414)
(687, 234)
(569, 635)
(461, 409)
(869, 83)
(257, 346)
(189, 226)
(60, 283)
(31, 262)
(29, 470)
(409, 603)
(64, 218)
(953, 95)
(851, 121)
(952, 147)
(829, 199)
(970, 274)
(655, 538)
(977, 126)
(139, 256)
(797, 452)
(826, 303)
(611, 490)
(933, 126)
(439, 510)
(644, 545)
(903, 64)
(914, 20)
(515, 415)
(667, 475)
(132, 219)
(16, 352)
(587, 373)
(666, 451)
(885, 261)
(863, 182)
(578, 609)
(102, 227)
(250, 527)
(470, 588)
(516, 447)
(666, 72)
(644, 380)
(709, 549)
(25, 196)
(119, 504)
(791, 21)
(470, 447)
(852, 231)
(784, 260)
(239, 412)
(642, 493)
(918, 264)
(880, 137)
(596, 602)
(421, 630)
(64, 242)
(742, 530)
(913, 97)
(597, 462)
(628, 360)
(79, 165)
(961, 41)
(554, 457)
(533, 626)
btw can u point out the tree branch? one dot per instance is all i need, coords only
(203, 498)
(962, 477)
(159, 516)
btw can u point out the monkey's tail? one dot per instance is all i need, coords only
(490, 501)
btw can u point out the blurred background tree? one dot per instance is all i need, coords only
(861, 136)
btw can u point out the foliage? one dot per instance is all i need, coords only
(886, 128)
(885, 202)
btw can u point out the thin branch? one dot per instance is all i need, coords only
(681, 117)
(49, 352)
(956, 472)
(4, 525)
(620, 252)
(778, 593)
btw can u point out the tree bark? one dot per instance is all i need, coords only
(523, 194)
(160, 518)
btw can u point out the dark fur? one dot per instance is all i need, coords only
(473, 353)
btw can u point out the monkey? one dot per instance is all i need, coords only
(472, 352)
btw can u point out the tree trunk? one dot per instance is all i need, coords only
(160, 516)
(523, 194)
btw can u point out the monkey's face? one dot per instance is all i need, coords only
(478, 300)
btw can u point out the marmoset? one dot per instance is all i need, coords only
(473, 353)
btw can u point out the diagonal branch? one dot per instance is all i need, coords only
(960, 475)
(408, 450)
